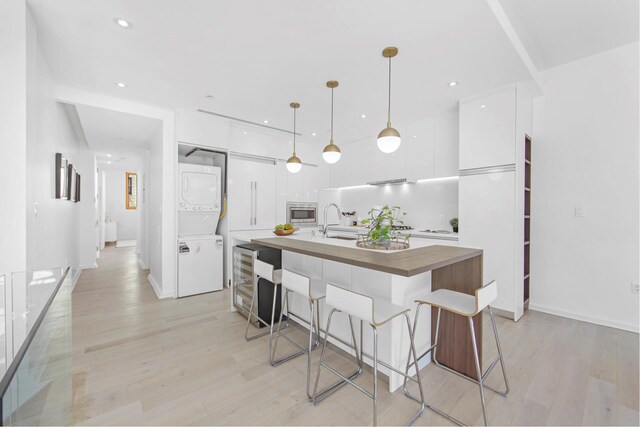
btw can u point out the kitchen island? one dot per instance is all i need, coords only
(398, 276)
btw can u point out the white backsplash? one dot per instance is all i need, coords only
(428, 204)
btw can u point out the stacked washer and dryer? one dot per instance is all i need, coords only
(200, 250)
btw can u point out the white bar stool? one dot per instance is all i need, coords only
(468, 306)
(265, 271)
(376, 313)
(313, 291)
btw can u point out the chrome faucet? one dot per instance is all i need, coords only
(326, 226)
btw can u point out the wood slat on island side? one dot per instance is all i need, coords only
(403, 263)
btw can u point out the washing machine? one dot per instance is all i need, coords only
(200, 250)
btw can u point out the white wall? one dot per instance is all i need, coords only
(116, 210)
(52, 233)
(585, 154)
(429, 204)
(13, 135)
(154, 194)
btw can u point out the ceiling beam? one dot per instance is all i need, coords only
(512, 34)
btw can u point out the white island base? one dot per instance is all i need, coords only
(393, 337)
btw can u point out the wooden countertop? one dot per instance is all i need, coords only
(403, 263)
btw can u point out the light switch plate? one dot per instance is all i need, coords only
(579, 212)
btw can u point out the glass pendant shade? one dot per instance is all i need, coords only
(389, 140)
(331, 153)
(294, 165)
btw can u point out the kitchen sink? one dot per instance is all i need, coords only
(342, 237)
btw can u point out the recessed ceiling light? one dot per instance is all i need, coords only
(244, 133)
(209, 96)
(265, 121)
(483, 106)
(123, 23)
(313, 134)
(121, 84)
(363, 116)
(108, 163)
(108, 155)
(415, 136)
(453, 84)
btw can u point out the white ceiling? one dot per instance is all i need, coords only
(255, 57)
(115, 136)
(555, 32)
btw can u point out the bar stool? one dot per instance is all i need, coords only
(468, 306)
(313, 291)
(376, 313)
(265, 271)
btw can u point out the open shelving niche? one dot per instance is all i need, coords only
(527, 219)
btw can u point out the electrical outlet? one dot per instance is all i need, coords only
(579, 212)
(635, 288)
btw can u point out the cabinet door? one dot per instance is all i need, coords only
(202, 129)
(265, 194)
(239, 195)
(487, 130)
(487, 220)
(420, 149)
(446, 129)
(247, 141)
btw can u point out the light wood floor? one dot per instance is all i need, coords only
(138, 360)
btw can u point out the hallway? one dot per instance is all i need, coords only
(141, 361)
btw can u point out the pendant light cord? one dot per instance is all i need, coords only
(331, 116)
(389, 105)
(294, 131)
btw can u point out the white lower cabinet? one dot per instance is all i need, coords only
(252, 193)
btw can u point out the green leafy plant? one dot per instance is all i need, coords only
(453, 222)
(381, 222)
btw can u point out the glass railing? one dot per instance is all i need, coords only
(36, 388)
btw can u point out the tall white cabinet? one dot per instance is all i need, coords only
(252, 192)
(493, 129)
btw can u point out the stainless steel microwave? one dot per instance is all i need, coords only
(302, 214)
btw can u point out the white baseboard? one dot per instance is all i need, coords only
(157, 288)
(590, 319)
(74, 279)
(142, 264)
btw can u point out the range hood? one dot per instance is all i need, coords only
(398, 181)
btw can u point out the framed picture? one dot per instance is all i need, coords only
(71, 179)
(77, 187)
(62, 184)
(131, 181)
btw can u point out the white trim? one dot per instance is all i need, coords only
(142, 264)
(156, 287)
(581, 317)
(74, 279)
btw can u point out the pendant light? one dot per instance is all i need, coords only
(389, 138)
(294, 164)
(331, 153)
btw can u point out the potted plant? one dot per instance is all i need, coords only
(380, 224)
(454, 224)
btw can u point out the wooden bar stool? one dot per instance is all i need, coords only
(468, 306)
(377, 313)
(264, 271)
(313, 291)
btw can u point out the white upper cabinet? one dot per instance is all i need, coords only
(253, 142)
(419, 139)
(487, 130)
(446, 137)
(202, 129)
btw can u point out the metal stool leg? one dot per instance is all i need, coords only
(320, 396)
(412, 352)
(495, 333)
(278, 333)
(312, 307)
(478, 371)
(375, 376)
(273, 315)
